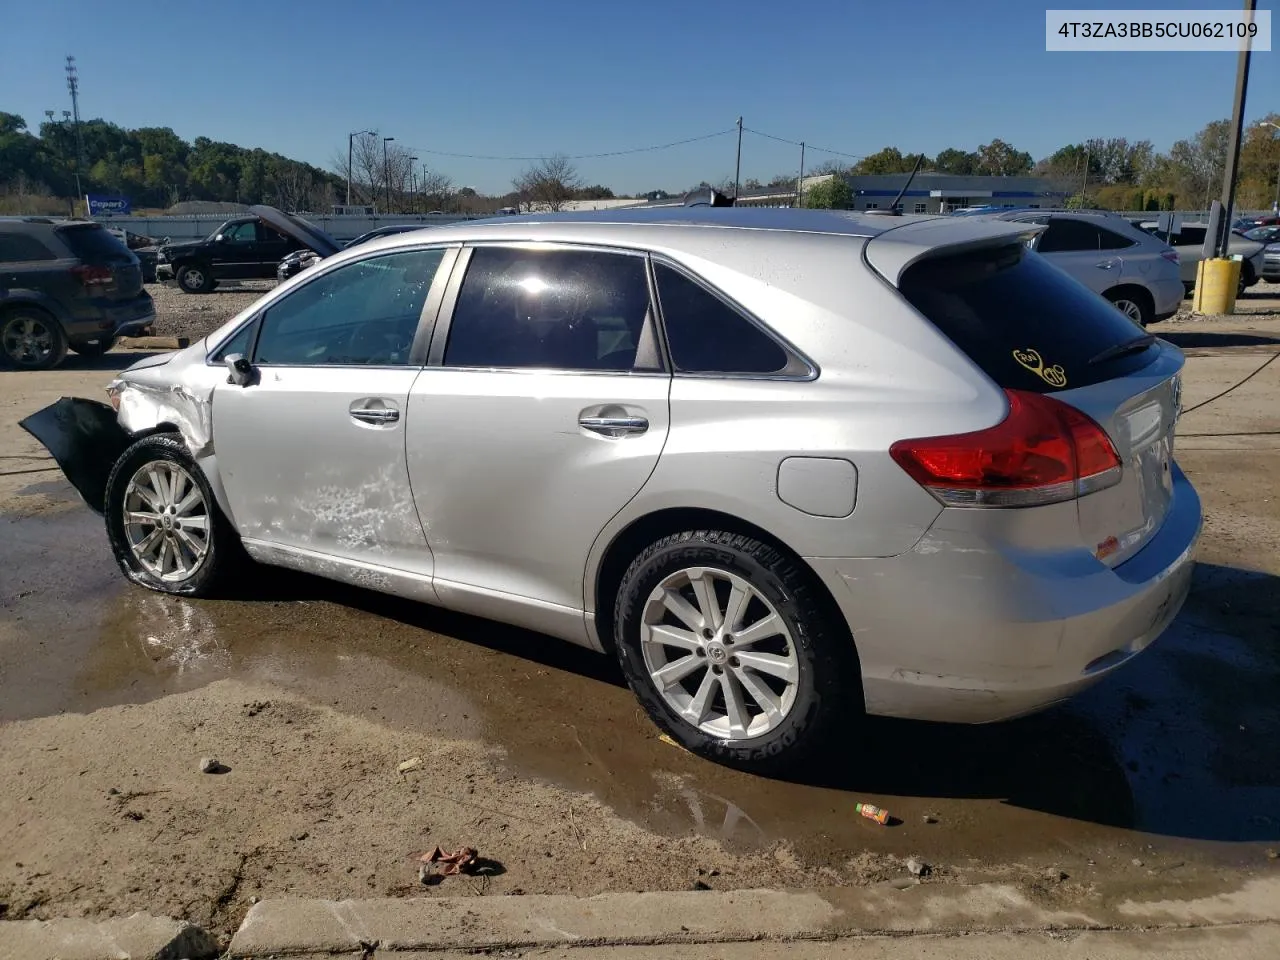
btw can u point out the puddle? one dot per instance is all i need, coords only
(1178, 749)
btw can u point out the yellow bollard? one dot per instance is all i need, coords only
(1216, 283)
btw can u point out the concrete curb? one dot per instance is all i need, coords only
(153, 343)
(283, 927)
(139, 937)
(350, 926)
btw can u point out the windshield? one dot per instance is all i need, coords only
(1263, 234)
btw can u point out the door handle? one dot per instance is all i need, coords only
(376, 415)
(614, 426)
(1105, 264)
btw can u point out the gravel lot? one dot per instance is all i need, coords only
(181, 314)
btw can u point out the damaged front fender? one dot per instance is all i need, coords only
(85, 439)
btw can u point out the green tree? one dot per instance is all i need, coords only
(958, 162)
(830, 194)
(888, 160)
(999, 159)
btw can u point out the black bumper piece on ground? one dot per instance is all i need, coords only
(85, 440)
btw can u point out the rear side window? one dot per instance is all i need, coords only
(1026, 324)
(706, 335)
(93, 243)
(21, 248)
(1066, 235)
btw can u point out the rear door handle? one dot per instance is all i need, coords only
(614, 426)
(376, 415)
(1105, 264)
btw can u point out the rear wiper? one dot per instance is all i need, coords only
(1121, 349)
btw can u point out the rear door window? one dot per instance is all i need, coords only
(1023, 322)
(93, 243)
(22, 248)
(1066, 235)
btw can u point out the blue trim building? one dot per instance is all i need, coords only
(945, 192)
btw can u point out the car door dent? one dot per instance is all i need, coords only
(357, 573)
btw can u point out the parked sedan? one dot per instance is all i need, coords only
(1270, 236)
(300, 260)
(1190, 246)
(732, 448)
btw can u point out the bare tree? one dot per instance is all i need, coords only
(436, 189)
(548, 184)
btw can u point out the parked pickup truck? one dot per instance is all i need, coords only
(243, 248)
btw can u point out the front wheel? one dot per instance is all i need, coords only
(729, 647)
(163, 523)
(195, 278)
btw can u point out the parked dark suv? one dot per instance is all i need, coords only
(66, 284)
(243, 248)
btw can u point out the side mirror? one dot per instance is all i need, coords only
(239, 369)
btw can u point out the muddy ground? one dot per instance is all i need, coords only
(1162, 781)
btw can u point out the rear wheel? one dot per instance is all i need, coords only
(731, 650)
(31, 339)
(195, 278)
(94, 348)
(1134, 303)
(1246, 279)
(163, 523)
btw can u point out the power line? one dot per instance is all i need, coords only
(806, 144)
(586, 156)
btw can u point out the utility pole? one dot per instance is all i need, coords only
(350, 140)
(73, 85)
(386, 170)
(413, 193)
(1233, 147)
(800, 182)
(1084, 186)
(737, 167)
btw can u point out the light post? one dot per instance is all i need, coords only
(1275, 207)
(350, 140)
(413, 196)
(386, 170)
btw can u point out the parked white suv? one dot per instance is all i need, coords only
(1137, 272)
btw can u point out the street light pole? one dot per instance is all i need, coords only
(350, 140)
(1275, 207)
(413, 195)
(737, 167)
(386, 170)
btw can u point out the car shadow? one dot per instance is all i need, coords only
(1182, 742)
(1189, 339)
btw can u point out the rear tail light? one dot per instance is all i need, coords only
(1044, 451)
(1170, 255)
(93, 276)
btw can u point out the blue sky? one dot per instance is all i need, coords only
(517, 78)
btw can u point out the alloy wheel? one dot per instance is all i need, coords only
(1130, 309)
(719, 653)
(28, 340)
(166, 520)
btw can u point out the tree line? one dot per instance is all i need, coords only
(151, 165)
(157, 168)
(1112, 173)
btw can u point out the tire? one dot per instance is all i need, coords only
(165, 454)
(1134, 302)
(93, 348)
(1246, 279)
(31, 339)
(195, 278)
(826, 695)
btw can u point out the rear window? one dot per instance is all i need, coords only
(1024, 322)
(92, 243)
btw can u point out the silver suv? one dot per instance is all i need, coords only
(787, 466)
(1137, 272)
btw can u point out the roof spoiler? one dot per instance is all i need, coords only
(707, 197)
